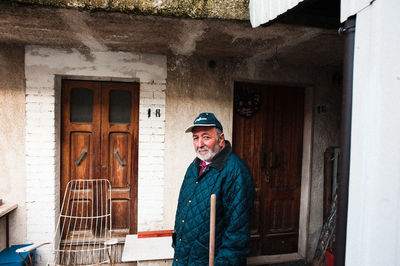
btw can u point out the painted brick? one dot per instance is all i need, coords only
(152, 87)
(32, 138)
(158, 124)
(37, 129)
(157, 138)
(159, 95)
(40, 153)
(152, 101)
(40, 99)
(154, 167)
(40, 91)
(147, 123)
(146, 95)
(144, 138)
(148, 130)
(151, 146)
(40, 115)
(39, 107)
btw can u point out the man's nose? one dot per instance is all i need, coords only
(200, 142)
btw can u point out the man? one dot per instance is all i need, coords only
(216, 170)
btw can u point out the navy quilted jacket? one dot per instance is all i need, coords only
(229, 178)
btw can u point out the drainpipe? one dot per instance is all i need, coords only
(348, 30)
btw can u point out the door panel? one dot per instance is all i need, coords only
(120, 211)
(81, 159)
(80, 125)
(119, 154)
(120, 120)
(269, 139)
(99, 140)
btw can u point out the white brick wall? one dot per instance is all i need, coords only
(43, 67)
(151, 156)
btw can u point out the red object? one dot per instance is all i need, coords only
(203, 167)
(159, 233)
(329, 257)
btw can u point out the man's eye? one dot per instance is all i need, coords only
(206, 137)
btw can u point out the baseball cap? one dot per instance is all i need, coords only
(205, 120)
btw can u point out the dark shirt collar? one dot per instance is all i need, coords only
(219, 160)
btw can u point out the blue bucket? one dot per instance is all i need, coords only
(8, 256)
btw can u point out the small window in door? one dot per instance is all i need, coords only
(81, 105)
(120, 107)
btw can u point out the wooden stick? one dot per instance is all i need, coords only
(212, 229)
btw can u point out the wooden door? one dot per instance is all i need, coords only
(268, 135)
(100, 141)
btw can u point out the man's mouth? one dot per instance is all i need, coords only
(202, 150)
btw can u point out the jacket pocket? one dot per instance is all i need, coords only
(199, 251)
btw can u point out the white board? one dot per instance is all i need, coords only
(150, 248)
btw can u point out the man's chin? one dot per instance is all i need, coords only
(202, 157)
(206, 157)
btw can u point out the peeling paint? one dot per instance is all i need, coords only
(85, 34)
(185, 44)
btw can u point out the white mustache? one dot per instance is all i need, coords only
(203, 149)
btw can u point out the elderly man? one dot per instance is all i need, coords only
(216, 170)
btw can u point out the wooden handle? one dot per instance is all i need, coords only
(212, 229)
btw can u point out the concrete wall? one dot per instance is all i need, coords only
(12, 140)
(194, 87)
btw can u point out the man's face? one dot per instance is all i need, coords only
(206, 142)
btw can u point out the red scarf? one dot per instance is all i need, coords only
(203, 167)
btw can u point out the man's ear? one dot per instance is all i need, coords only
(221, 139)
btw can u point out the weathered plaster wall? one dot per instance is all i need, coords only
(193, 87)
(227, 9)
(12, 145)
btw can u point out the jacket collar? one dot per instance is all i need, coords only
(220, 159)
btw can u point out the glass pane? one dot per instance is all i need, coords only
(120, 107)
(81, 105)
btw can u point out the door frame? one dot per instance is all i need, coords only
(101, 139)
(305, 184)
(58, 118)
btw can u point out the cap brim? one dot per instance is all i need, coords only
(189, 129)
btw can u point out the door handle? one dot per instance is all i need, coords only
(122, 163)
(78, 162)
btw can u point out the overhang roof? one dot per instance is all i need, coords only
(118, 31)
